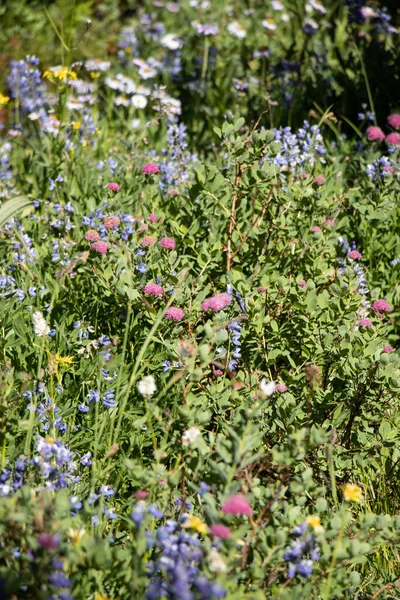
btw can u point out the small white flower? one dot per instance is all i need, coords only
(236, 29)
(147, 386)
(135, 123)
(33, 116)
(190, 436)
(269, 24)
(139, 101)
(96, 64)
(276, 5)
(216, 563)
(74, 104)
(318, 6)
(267, 388)
(39, 324)
(147, 72)
(171, 41)
(367, 12)
(121, 101)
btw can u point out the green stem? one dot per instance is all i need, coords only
(125, 343)
(121, 408)
(366, 80)
(335, 555)
(32, 412)
(205, 58)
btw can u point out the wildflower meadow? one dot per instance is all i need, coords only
(199, 300)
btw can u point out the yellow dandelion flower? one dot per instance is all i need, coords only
(352, 492)
(128, 50)
(94, 74)
(84, 143)
(313, 521)
(196, 524)
(76, 125)
(101, 597)
(3, 99)
(49, 440)
(63, 361)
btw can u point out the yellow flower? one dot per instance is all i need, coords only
(49, 440)
(76, 125)
(128, 50)
(352, 492)
(63, 361)
(94, 74)
(315, 522)
(196, 524)
(76, 535)
(60, 73)
(84, 143)
(101, 597)
(3, 99)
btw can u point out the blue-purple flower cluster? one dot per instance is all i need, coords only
(302, 553)
(300, 149)
(175, 570)
(26, 85)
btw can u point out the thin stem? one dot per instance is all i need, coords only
(205, 58)
(335, 555)
(125, 343)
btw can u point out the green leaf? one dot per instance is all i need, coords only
(12, 207)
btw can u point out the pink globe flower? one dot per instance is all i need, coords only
(111, 221)
(394, 120)
(365, 323)
(388, 169)
(355, 255)
(261, 289)
(152, 218)
(141, 495)
(315, 229)
(302, 283)
(115, 187)
(148, 241)
(381, 306)
(388, 349)
(168, 243)
(218, 372)
(303, 175)
(375, 134)
(319, 180)
(92, 235)
(217, 302)
(330, 222)
(150, 169)
(153, 289)
(143, 227)
(281, 387)
(48, 541)
(237, 505)
(173, 313)
(101, 247)
(221, 531)
(173, 192)
(393, 139)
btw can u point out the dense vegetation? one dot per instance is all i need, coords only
(199, 300)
